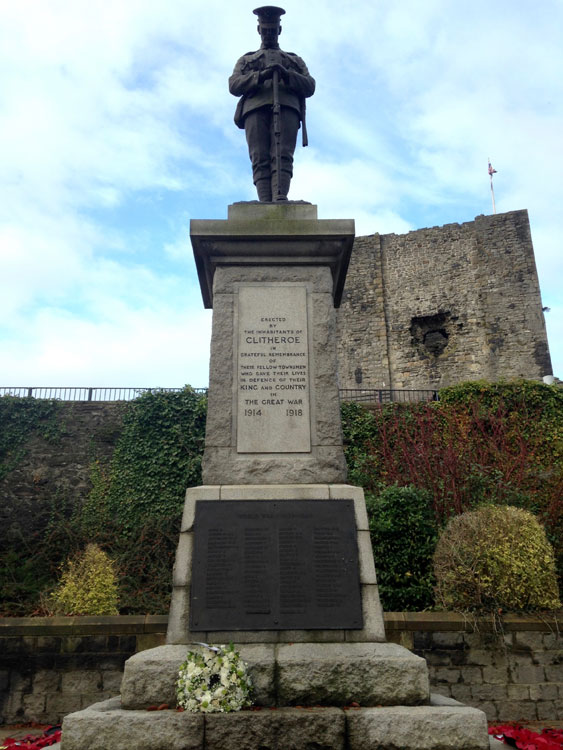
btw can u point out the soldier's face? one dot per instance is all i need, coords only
(269, 34)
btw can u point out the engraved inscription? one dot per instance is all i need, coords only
(275, 565)
(273, 370)
(220, 585)
(293, 573)
(328, 554)
(256, 546)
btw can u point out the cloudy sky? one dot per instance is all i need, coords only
(116, 128)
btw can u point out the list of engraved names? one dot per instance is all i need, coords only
(273, 370)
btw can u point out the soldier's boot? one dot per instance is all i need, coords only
(279, 193)
(264, 188)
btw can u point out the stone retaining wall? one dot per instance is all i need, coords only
(511, 676)
(52, 666)
(55, 475)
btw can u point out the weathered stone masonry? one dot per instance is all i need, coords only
(52, 666)
(57, 474)
(439, 306)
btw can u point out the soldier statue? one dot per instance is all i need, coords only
(273, 85)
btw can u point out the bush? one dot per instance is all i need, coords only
(403, 533)
(88, 586)
(497, 443)
(495, 558)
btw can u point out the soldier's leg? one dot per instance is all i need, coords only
(289, 127)
(257, 129)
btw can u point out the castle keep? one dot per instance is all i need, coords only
(439, 306)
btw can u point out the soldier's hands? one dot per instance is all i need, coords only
(283, 73)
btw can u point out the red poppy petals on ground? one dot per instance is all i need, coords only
(526, 739)
(30, 742)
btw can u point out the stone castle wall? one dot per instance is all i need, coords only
(439, 306)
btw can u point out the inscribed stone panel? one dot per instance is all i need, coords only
(273, 370)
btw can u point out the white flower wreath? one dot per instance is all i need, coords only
(215, 679)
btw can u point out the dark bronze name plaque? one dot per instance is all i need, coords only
(275, 565)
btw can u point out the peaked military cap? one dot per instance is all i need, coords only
(269, 13)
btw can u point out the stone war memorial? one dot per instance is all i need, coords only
(274, 553)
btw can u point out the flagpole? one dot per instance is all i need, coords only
(491, 173)
(493, 195)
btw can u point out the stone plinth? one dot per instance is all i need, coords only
(262, 234)
(439, 726)
(273, 275)
(329, 674)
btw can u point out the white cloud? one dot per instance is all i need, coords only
(135, 348)
(116, 126)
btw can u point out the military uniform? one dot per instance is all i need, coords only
(254, 113)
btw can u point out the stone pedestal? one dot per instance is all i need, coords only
(273, 274)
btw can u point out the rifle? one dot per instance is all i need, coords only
(277, 129)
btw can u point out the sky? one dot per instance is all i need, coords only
(116, 129)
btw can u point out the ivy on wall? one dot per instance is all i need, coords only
(157, 456)
(132, 511)
(136, 502)
(19, 419)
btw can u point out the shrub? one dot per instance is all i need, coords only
(498, 443)
(403, 533)
(88, 586)
(495, 558)
(145, 566)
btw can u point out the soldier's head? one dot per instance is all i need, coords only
(269, 26)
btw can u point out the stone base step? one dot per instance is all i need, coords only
(289, 674)
(447, 726)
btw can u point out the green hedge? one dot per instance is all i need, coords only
(499, 443)
(403, 534)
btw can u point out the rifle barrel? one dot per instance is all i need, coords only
(277, 127)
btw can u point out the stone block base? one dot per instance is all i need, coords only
(333, 674)
(150, 676)
(106, 726)
(417, 728)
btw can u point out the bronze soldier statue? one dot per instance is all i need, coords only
(273, 85)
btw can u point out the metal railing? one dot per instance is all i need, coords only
(361, 395)
(378, 396)
(87, 394)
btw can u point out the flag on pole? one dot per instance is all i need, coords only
(491, 173)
